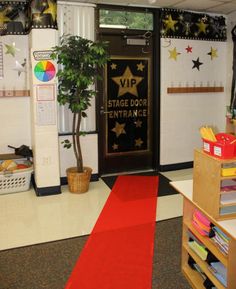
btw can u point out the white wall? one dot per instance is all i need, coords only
(15, 111)
(15, 123)
(89, 146)
(183, 114)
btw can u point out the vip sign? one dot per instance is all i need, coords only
(127, 125)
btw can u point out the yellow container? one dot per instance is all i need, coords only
(227, 172)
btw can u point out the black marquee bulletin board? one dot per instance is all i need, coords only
(19, 17)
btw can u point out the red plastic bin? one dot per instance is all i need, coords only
(223, 148)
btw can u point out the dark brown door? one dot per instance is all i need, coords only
(125, 104)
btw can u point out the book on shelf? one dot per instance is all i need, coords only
(200, 250)
(219, 271)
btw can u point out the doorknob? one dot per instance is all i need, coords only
(102, 111)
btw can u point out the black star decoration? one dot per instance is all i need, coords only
(196, 63)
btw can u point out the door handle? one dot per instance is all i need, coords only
(102, 111)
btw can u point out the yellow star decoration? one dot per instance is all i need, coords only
(202, 27)
(113, 66)
(173, 54)
(138, 123)
(170, 23)
(3, 18)
(213, 53)
(140, 66)
(52, 9)
(11, 49)
(127, 82)
(37, 17)
(115, 146)
(138, 142)
(119, 129)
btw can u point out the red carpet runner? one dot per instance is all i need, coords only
(119, 251)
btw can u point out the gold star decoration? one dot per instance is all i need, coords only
(140, 66)
(173, 54)
(119, 129)
(213, 53)
(113, 66)
(115, 146)
(37, 18)
(52, 9)
(138, 142)
(127, 82)
(3, 18)
(11, 49)
(170, 23)
(202, 27)
(138, 123)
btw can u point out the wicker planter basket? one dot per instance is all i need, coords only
(78, 182)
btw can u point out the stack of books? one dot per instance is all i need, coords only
(196, 245)
(220, 239)
(201, 223)
(220, 272)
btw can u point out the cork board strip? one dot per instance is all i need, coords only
(195, 89)
(14, 93)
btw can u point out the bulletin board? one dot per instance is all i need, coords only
(17, 18)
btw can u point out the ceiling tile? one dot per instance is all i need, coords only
(224, 8)
(195, 5)
(213, 6)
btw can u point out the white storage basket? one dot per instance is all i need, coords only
(15, 181)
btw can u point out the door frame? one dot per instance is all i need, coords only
(156, 75)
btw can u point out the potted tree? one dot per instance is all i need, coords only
(79, 61)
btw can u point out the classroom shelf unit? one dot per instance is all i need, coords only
(213, 192)
(227, 226)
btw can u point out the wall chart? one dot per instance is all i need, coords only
(44, 71)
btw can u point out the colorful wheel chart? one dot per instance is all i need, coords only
(44, 70)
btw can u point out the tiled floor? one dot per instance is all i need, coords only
(26, 219)
(179, 175)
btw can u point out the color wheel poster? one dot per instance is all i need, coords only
(44, 68)
(44, 87)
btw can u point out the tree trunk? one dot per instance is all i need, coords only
(76, 141)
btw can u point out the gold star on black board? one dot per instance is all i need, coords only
(138, 142)
(119, 129)
(127, 82)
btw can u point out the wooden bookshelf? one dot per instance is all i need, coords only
(227, 226)
(207, 175)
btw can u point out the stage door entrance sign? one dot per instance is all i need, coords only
(127, 105)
